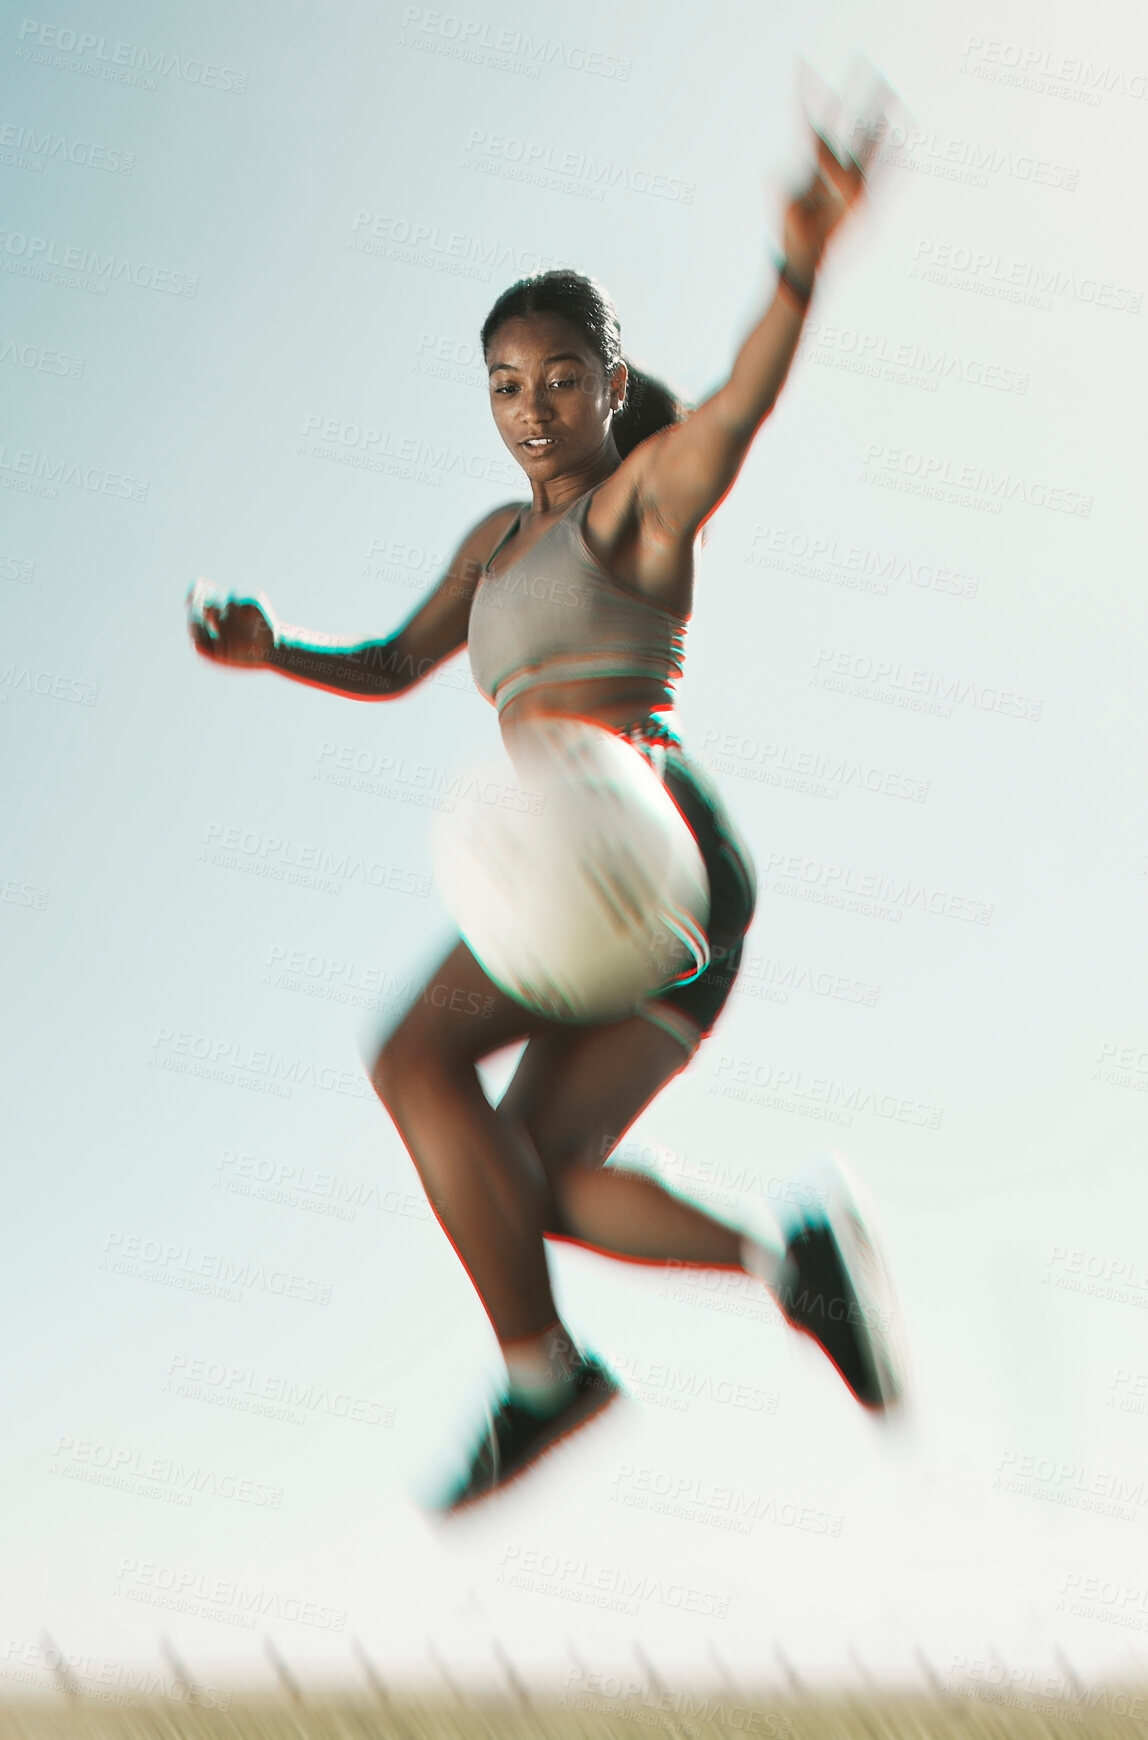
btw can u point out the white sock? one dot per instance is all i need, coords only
(761, 1260)
(541, 1369)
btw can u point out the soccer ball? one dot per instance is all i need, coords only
(581, 891)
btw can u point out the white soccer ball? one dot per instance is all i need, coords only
(579, 889)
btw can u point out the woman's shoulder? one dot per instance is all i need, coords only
(500, 517)
(480, 540)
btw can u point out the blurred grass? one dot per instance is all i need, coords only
(1090, 1714)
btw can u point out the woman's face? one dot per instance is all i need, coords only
(546, 381)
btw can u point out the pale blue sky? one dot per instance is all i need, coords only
(282, 162)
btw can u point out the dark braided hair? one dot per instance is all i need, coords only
(650, 405)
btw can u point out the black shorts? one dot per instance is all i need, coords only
(689, 1011)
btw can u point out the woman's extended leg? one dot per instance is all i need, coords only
(490, 1191)
(481, 1174)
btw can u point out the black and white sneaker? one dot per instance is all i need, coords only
(834, 1286)
(515, 1437)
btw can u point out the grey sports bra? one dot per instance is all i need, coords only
(555, 615)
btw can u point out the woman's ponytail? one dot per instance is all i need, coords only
(650, 405)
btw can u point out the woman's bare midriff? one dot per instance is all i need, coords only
(617, 703)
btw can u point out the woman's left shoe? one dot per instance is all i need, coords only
(515, 1438)
(835, 1286)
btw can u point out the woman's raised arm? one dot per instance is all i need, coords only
(242, 633)
(688, 468)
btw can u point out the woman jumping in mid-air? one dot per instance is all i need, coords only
(620, 485)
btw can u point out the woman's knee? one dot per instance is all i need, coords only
(407, 1065)
(560, 1147)
(575, 1191)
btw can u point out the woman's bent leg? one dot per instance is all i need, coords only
(574, 1095)
(829, 1281)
